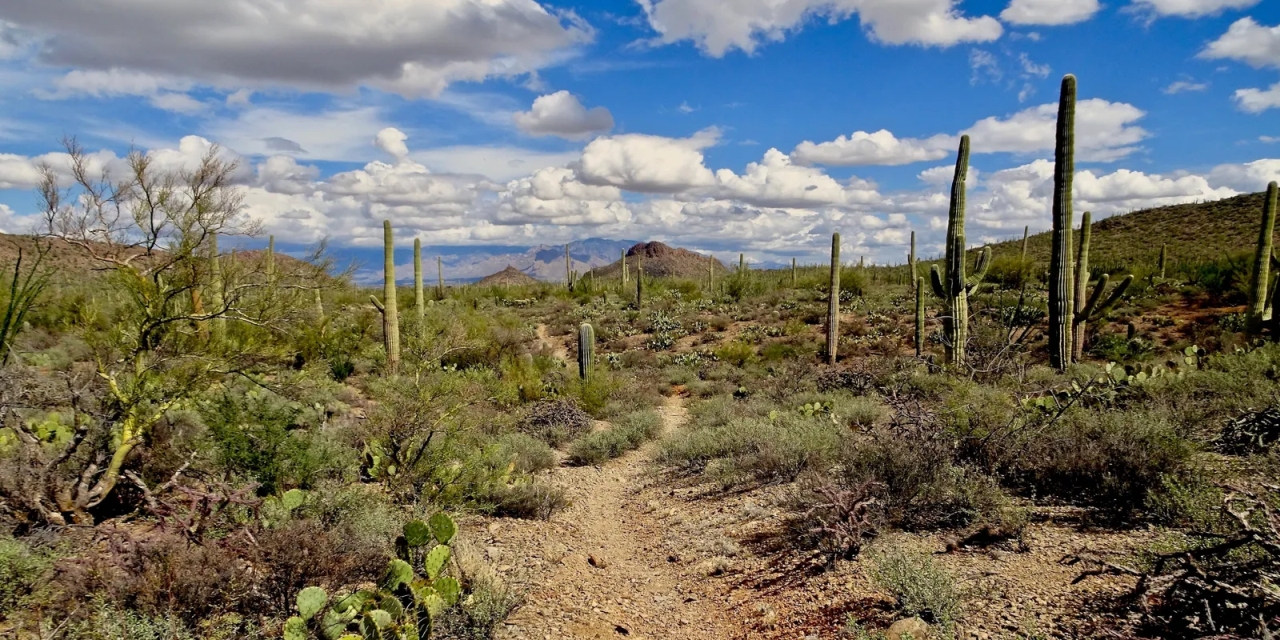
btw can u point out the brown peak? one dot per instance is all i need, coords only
(511, 269)
(654, 249)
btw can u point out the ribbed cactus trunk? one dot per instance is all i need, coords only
(419, 296)
(1164, 255)
(911, 260)
(1026, 235)
(624, 267)
(568, 268)
(954, 285)
(218, 325)
(439, 278)
(390, 313)
(639, 281)
(1082, 288)
(794, 278)
(919, 317)
(711, 272)
(1259, 278)
(742, 263)
(1061, 286)
(586, 349)
(833, 302)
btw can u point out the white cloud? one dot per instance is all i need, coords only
(561, 114)
(984, 66)
(645, 163)
(339, 135)
(392, 141)
(1249, 42)
(1105, 131)
(775, 182)
(414, 48)
(1049, 12)
(1030, 68)
(497, 163)
(177, 103)
(18, 172)
(1247, 177)
(878, 148)
(1190, 8)
(717, 27)
(1269, 139)
(1258, 100)
(1184, 86)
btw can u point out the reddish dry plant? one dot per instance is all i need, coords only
(843, 518)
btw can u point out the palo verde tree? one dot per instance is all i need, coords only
(152, 230)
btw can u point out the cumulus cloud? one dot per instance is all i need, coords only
(1249, 42)
(717, 27)
(1190, 8)
(1049, 12)
(646, 163)
(1105, 131)
(391, 140)
(335, 135)
(1247, 177)
(1258, 100)
(561, 114)
(413, 48)
(878, 148)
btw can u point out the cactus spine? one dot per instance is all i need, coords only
(1259, 278)
(586, 349)
(1061, 304)
(953, 286)
(419, 298)
(390, 316)
(833, 302)
(919, 317)
(1090, 308)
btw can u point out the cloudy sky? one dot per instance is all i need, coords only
(722, 125)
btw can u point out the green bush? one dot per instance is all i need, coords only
(916, 582)
(627, 433)
(22, 573)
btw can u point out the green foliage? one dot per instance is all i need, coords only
(22, 573)
(626, 434)
(18, 294)
(914, 579)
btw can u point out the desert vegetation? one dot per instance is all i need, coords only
(1067, 434)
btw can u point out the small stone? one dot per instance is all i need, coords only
(908, 629)
(597, 561)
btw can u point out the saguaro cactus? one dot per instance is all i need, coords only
(568, 268)
(388, 308)
(794, 279)
(639, 281)
(1061, 291)
(419, 298)
(833, 302)
(440, 277)
(711, 272)
(919, 317)
(1090, 308)
(586, 349)
(742, 263)
(1259, 278)
(1026, 235)
(1164, 255)
(911, 260)
(624, 266)
(953, 286)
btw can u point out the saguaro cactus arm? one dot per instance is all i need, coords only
(1095, 309)
(936, 279)
(980, 266)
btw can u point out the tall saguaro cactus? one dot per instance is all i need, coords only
(919, 317)
(711, 272)
(568, 268)
(954, 286)
(624, 267)
(388, 308)
(419, 297)
(794, 279)
(1061, 289)
(833, 302)
(439, 277)
(911, 260)
(1026, 235)
(1164, 255)
(639, 281)
(1090, 307)
(1259, 278)
(586, 349)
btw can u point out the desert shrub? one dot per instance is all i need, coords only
(916, 582)
(1010, 271)
(489, 602)
(766, 448)
(593, 394)
(1191, 502)
(736, 353)
(555, 422)
(22, 573)
(627, 433)
(529, 454)
(534, 500)
(107, 621)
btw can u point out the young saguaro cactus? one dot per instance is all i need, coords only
(953, 285)
(586, 349)
(794, 278)
(919, 317)
(1259, 278)
(1026, 235)
(911, 260)
(639, 281)
(419, 299)
(388, 308)
(1061, 289)
(624, 267)
(1164, 255)
(833, 302)
(440, 277)
(1090, 307)
(568, 268)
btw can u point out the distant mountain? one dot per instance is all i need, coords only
(464, 265)
(509, 277)
(662, 261)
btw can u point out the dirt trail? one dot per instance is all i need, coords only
(601, 569)
(545, 342)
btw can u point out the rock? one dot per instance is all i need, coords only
(908, 629)
(597, 561)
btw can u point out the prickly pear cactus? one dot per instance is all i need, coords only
(403, 607)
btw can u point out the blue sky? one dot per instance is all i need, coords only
(757, 125)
